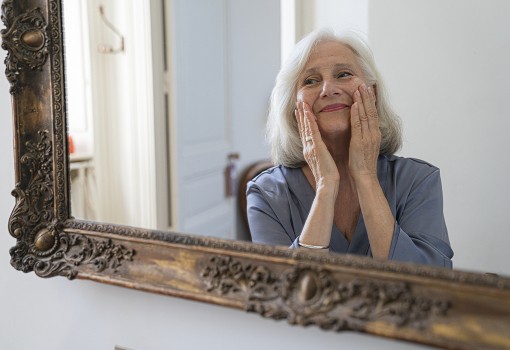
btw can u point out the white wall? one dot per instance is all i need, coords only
(445, 63)
(338, 14)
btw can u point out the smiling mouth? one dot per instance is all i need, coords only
(334, 107)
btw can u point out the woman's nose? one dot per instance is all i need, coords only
(329, 88)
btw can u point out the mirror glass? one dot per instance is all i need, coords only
(168, 100)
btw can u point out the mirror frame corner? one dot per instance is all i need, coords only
(402, 301)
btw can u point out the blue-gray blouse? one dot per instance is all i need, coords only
(280, 198)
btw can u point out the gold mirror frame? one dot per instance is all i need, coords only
(443, 308)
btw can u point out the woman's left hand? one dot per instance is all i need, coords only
(365, 135)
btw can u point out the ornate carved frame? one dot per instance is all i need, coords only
(449, 309)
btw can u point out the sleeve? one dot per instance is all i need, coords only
(420, 233)
(263, 218)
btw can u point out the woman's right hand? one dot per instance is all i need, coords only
(315, 152)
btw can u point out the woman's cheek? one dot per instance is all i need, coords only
(356, 83)
(299, 96)
(305, 96)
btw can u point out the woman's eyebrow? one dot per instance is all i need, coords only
(310, 71)
(343, 66)
(337, 66)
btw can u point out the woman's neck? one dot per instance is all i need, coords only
(338, 147)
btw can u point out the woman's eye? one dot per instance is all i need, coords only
(344, 75)
(310, 81)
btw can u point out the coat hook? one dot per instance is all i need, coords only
(103, 48)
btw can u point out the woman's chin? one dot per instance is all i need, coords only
(335, 129)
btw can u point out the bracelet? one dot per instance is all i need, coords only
(312, 246)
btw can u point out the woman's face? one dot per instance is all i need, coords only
(328, 82)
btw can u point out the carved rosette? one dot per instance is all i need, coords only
(43, 246)
(26, 40)
(311, 296)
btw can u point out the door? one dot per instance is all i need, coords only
(199, 135)
(220, 64)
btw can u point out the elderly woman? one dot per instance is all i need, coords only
(337, 184)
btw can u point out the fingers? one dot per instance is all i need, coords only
(364, 117)
(299, 119)
(365, 133)
(355, 122)
(311, 128)
(307, 126)
(368, 97)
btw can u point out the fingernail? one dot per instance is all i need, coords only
(363, 87)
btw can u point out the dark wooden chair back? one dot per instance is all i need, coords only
(249, 173)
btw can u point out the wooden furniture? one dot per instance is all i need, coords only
(249, 173)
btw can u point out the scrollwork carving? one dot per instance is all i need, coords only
(228, 276)
(43, 246)
(59, 122)
(306, 295)
(26, 41)
(345, 260)
(72, 250)
(32, 201)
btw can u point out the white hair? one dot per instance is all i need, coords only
(282, 131)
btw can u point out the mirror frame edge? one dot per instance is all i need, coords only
(400, 301)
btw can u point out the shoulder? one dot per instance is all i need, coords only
(273, 180)
(409, 166)
(410, 173)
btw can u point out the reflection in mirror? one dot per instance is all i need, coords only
(169, 120)
(114, 183)
(204, 72)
